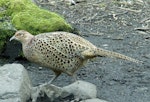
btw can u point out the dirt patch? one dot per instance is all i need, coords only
(114, 25)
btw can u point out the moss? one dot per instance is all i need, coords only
(26, 15)
(38, 20)
(15, 6)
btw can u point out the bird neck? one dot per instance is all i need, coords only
(26, 45)
(28, 39)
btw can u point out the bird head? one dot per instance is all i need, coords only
(22, 36)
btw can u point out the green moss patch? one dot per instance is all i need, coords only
(39, 20)
(25, 15)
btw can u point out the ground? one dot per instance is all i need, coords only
(115, 25)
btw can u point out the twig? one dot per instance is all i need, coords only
(145, 19)
(96, 34)
(127, 9)
(142, 28)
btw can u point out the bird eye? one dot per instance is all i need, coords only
(19, 34)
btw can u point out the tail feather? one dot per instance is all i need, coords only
(102, 52)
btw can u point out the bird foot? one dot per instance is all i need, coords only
(37, 91)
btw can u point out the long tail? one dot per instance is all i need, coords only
(102, 52)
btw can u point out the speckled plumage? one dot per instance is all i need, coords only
(61, 51)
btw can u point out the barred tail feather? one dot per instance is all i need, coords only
(102, 52)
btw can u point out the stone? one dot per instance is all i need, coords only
(51, 91)
(81, 90)
(15, 85)
(70, 2)
(24, 14)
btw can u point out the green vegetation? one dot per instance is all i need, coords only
(24, 14)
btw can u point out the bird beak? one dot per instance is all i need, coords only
(12, 38)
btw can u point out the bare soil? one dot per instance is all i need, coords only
(116, 25)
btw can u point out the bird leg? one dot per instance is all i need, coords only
(39, 90)
(74, 77)
(55, 77)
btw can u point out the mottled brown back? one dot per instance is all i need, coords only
(59, 51)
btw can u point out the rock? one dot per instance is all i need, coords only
(6, 29)
(38, 21)
(70, 2)
(24, 14)
(15, 84)
(94, 100)
(51, 91)
(12, 52)
(81, 90)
